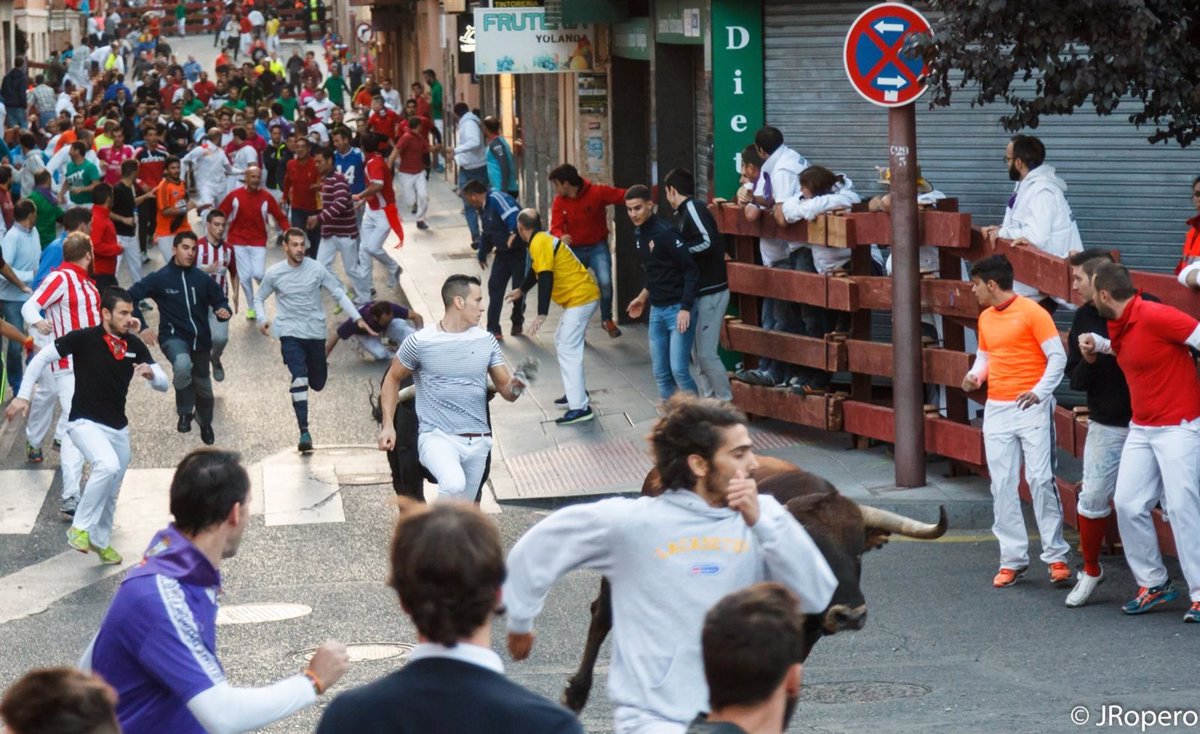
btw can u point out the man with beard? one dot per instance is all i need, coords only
(753, 643)
(1037, 213)
(185, 295)
(1161, 457)
(107, 358)
(702, 450)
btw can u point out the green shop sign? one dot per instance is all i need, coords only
(737, 79)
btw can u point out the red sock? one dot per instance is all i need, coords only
(1091, 537)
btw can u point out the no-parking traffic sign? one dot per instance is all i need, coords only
(874, 58)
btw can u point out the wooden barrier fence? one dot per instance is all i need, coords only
(865, 412)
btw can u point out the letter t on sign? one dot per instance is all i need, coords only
(737, 69)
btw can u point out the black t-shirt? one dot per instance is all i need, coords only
(123, 205)
(101, 380)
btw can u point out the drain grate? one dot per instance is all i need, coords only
(860, 691)
(364, 652)
(618, 465)
(260, 613)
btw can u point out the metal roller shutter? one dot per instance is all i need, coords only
(1126, 194)
(703, 128)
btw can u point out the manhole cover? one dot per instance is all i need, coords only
(258, 613)
(365, 651)
(860, 691)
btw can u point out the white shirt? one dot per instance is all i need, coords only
(463, 652)
(323, 107)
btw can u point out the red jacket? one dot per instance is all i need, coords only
(248, 211)
(585, 217)
(298, 189)
(105, 247)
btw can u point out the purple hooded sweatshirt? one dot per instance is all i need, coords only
(157, 646)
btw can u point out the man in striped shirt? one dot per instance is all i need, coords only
(213, 256)
(450, 362)
(247, 208)
(339, 225)
(65, 301)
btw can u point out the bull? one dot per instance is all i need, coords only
(842, 529)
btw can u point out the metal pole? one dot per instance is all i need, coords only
(908, 391)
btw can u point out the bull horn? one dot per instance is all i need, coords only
(873, 517)
(407, 393)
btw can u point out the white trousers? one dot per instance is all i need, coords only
(251, 265)
(45, 397)
(568, 343)
(166, 246)
(456, 461)
(1160, 461)
(210, 192)
(1101, 460)
(375, 231)
(397, 331)
(107, 449)
(131, 256)
(629, 720)
(351, 263)
(1008, 433)
(70, 457)
(412, 188)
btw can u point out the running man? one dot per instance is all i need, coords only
(703, 451)
(381, 216)
(186, 297)
(213, 256)
(450, 362)
(1022, 360)
(300, 320)
(248, 208)
(172, 207)
(65, 301)
(338, 225)
(157, 644)
(561, 278)
(1161, 457)
(107, 358)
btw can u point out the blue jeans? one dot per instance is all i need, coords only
(599, 259)
(670, 351)
(16, 117)
(472, 216)
(305, 359)
(15, 358)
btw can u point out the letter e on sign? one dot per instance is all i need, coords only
(738, 123)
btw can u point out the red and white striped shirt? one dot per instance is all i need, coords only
(207, 255)
(70, 300)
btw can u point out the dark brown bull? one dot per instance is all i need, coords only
(841, 528)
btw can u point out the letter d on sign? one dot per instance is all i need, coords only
(739, 38)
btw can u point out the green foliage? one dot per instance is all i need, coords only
(1100, 53)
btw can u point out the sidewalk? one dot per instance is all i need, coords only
(536, 461)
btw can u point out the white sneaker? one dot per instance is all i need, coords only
(1084, 588)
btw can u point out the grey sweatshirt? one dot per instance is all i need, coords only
(298, 309)
(669, 559)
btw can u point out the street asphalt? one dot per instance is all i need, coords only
(942, 650)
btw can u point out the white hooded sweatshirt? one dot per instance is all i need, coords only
(1039, 212)
(779, 180)
(669, 559)
(796, 208)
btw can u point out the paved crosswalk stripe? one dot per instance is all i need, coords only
(295, 494)
(22, 498)
(141, 509)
